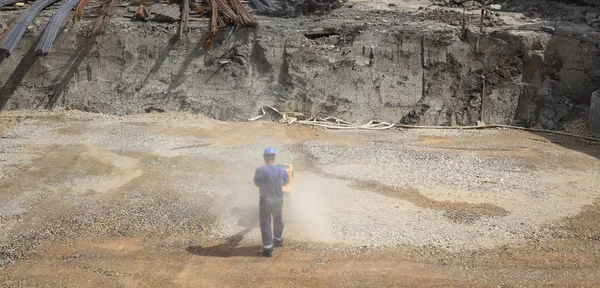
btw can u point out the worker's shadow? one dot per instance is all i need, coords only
(248, 218)
(229, 248)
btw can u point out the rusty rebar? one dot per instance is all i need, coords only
(246, 18)
(224, 14)
(78, 15)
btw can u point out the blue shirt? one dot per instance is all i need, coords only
(270, 180)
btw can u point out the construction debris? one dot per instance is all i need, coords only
(51, 31)
(223, 13)
(13, 36)
(339, 124)
(327, 122)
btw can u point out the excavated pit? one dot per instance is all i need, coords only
(167, 198)
(397, 66)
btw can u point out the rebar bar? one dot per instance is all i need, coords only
(80, 8)
(51, 31)
(224, 13)
(228, 13)
(246, 18)
(14, 35)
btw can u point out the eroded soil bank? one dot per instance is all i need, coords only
(364, 61)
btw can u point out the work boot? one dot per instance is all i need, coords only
(268, 253)
(278, 243)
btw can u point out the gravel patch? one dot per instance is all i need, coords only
(97, 176)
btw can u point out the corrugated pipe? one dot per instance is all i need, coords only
(51, 31)
(14, 35)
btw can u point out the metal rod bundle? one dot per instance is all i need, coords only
(6, 32)
(225, 13)
(14, 35)
(246, 19)
(51, 31)
(228, 13)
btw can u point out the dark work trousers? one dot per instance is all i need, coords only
(271, 206)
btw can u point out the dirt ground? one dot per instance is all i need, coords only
(166, 199)
(149, 200)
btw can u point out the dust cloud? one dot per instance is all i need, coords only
(305, 209)
(242, 200)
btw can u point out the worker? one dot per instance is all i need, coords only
(270, 180)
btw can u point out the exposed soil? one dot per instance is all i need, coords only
(533, 64)
(149, 200)
(164, 198)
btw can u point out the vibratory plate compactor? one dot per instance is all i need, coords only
(288, 189)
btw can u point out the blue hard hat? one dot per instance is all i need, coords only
(269, 151)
